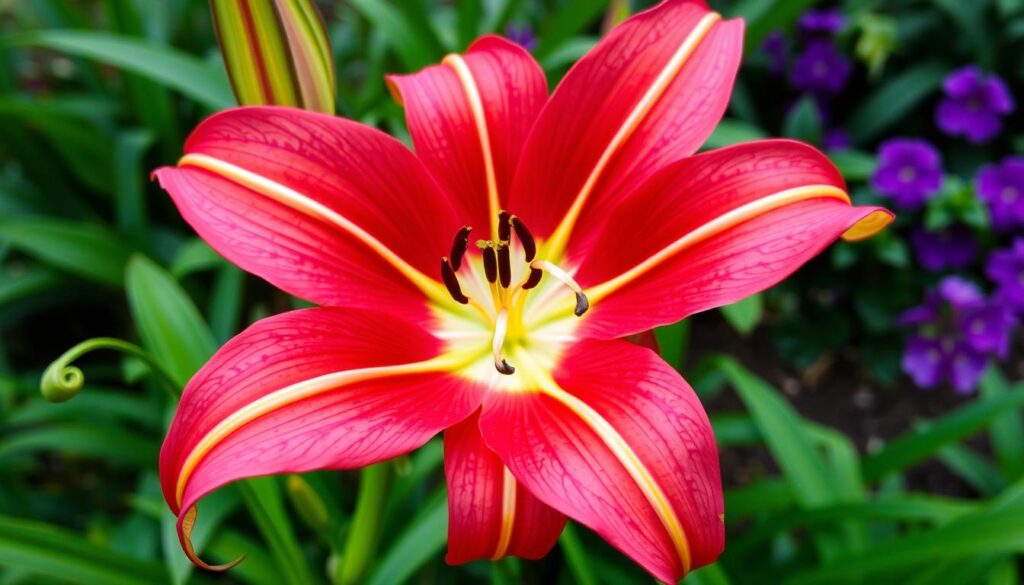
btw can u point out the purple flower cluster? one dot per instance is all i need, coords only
(820, 69)
(909, 172)
(950, 248)
(1001, 187)
(1006, 269)
(827, 22)
(957, 330)
(974, 105)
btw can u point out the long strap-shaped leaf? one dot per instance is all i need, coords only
(276, 52)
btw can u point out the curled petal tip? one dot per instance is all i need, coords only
(869, 225)
(185, 524)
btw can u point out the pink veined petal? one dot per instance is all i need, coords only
(490, 514)
(496, 89)
(713, 229)
(649, 93)
(620, 443)
(327, 209)
(321, 388)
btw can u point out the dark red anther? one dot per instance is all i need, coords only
(504, 266)
(459, 246)
(534, 278)
(504, 229)
(451, 282)
(525, 238)
(490, 264)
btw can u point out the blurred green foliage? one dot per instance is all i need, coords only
(94, 94)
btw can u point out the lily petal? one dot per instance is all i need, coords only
(648, 94)
(713, 229)
(329, 210)
(469, 117)
(491, 515)
(321, 388)
(619, 442)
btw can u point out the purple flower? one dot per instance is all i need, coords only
(1006, 269)
(522, 35)
(1001, 186)
(836, 139)
(930, 361)
(826, 22)
(909, 172)
(974, 104)
(957, 330)
(953, 247)
(774, 46)
(820, 69)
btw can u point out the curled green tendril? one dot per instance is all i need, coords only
(62, 381)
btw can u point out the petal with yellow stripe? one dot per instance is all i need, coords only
(311, 389)
(617, 441)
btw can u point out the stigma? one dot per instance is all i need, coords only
(507, 293)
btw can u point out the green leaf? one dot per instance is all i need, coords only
(570, 19)
(894, 100)
(973, 469)
(83, 249)
(922, 443)
(276, 52)
(171, 67)
(57, 554)
(265, 501)
(168, 322)
(729, 132)
(576, 556)
(413, 48)
(424, 538)
(994, 529)
(1007, 432)
(130, 181)
(784, 434)
(856, 165)
(744, 315)
(803, 121)
(108, 443)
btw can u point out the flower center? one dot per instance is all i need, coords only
(1009, 194)
(908, 174)
(507, 283)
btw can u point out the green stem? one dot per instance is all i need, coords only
(576, 556)
(361, 543)
(62, 381)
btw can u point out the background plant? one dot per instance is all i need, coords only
(95, 94)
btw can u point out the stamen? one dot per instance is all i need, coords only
(459, 246)
(500, 329)
(451, 282)
(490, 261)
(504, 229)
(525, 238)
(534, 278)
(504, 265)
(582, 303)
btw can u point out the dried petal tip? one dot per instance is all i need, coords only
(185, 524)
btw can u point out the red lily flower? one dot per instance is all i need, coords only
(506, 339)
